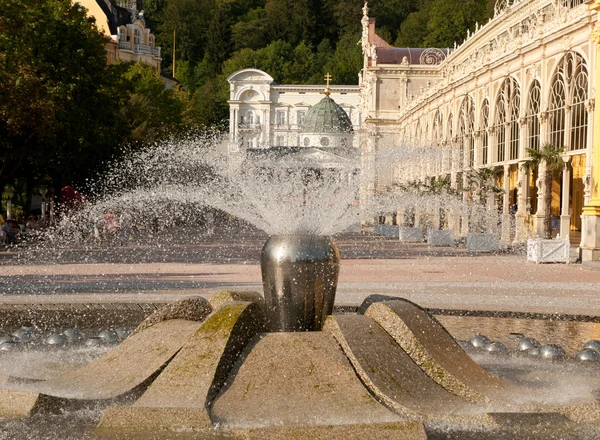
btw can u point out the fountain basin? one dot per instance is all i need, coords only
(300, 275)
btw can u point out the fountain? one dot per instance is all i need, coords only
(282, 364)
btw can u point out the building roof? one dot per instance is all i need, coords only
(327, 117)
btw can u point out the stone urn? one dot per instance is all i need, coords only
(300, 275)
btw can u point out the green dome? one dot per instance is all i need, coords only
(327, 117)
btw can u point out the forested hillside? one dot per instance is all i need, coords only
(295, 41)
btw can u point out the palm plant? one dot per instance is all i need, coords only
(549, 159)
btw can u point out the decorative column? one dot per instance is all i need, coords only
(521, 214)
(539, 183)
(565, 212)
(369, 168)
(505, 237)
(540, 215)
(590, 225)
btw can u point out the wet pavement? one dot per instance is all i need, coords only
(439, 278)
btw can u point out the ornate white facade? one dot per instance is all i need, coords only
(263, 114)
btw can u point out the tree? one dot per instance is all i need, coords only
(190, 20)
(413, 30)
(449, 20)
(218, 41)
(56, 97)
(152, 111)
(346, 61)
(550, 162)
(249, 31)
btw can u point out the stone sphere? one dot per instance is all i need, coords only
(22, 335)
(57, 339)
(527, 344)
(6, 339)
(479, 341)
(94, 342)
(108, 336)
(122, 333)
(552, 352)
(74, 335)
(7, 346)
(594, 344)
(587, 354)
(495, 347)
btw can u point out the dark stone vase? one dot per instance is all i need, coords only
(300, 275)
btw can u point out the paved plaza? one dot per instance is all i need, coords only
(439, 278)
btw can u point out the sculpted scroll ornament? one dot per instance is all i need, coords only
(432, 56)
(393, 91)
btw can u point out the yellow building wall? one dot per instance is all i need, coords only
(578, 164)
(95, 11)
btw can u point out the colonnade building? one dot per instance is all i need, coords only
(523, 80)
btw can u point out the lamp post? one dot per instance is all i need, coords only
(43, 192)
(9, 192)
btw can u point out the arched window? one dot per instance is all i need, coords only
(569, 91)
(506, 122)
(499, 128)
(533, 116)
(137, 36)
(485, 116)
(513, 120)
(579, 115)
(556, 112)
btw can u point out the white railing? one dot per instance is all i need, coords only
(143, 48)
(140, 48)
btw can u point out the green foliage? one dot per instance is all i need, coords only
(56, 94)
(346, 61)
(152, 112)
(249, 31)
(218, 41)
(441, 23)
(550, 154)
(413, 30)
(449, 20)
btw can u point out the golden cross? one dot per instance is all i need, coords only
(328, 78)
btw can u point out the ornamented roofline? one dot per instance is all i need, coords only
(516, 24)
